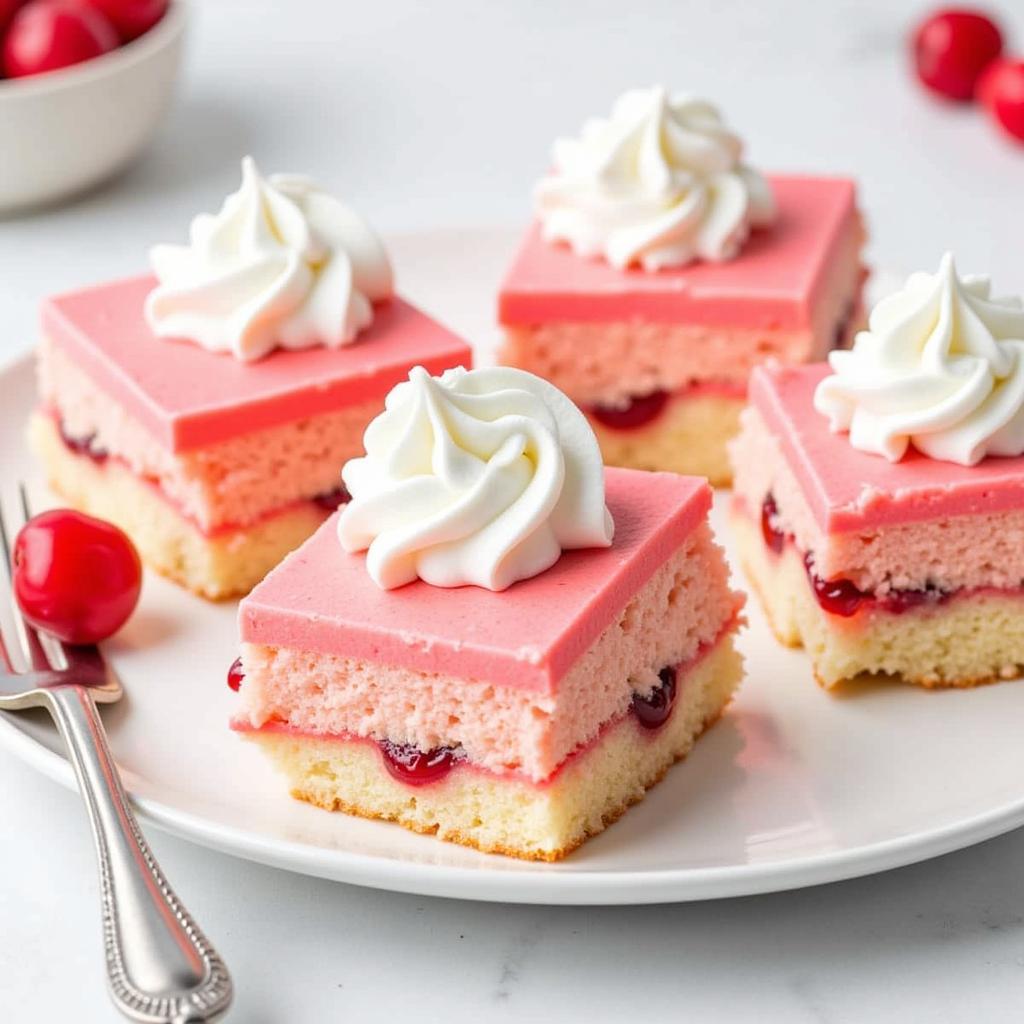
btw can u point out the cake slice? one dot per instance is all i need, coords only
(652, 283)
(519, 720)
(205, 412)
(877, 557)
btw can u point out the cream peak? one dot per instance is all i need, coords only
(283, 264)
(478, 477)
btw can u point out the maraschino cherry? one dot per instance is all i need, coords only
(131, 18)
(951, 50)
(838, 596)
(333, 500)
(46, 35)
(76, 577)
(1001, 90)
(8, 8)
(636, 413)
(236, 675)
(653, 710)
(83, 445)
(774, 538)
(417, 767)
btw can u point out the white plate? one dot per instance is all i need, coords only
(793, 787)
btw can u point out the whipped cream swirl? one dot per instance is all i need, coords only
(659, 183)
(941, 367)
(476, 477)
(283, 264)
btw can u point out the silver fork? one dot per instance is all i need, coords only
(161, 969)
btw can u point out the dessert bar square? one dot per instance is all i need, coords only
(520, 721)
(215, 467)
(912, 568)
(659, 361)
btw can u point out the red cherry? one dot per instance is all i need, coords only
(1001, 90)
(952, 48)
(636, 413)
(418, 767)
(131, 18)
(83, 445)
(839, 596)
(843, 597)
(8, 8)
(774, 538)
(331, 501)
(75, 576)
(46, 35)
(236, 675)
(653, 710)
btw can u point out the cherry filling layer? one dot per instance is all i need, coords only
(82, 445)
(415, 767)
(639, 410)
(842, 596)
(845, 598)
(86, 446)
(654, 709)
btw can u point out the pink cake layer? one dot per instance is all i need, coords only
(539, 775)
(187, 398)
(776, 283)
(926, 531)
(608, 363)
(851, 490)
(321, 599)
(223, 485)
(109, 462)
(679, 610)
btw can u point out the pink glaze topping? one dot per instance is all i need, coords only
(189, 398)
(774, 283)
(848, 490)
(322, 599)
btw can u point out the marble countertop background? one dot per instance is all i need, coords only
(442, 114)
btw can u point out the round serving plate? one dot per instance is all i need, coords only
(792, 787)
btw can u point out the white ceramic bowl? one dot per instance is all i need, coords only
(64, 131)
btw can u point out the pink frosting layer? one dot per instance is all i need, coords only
(774, 283)
(188, 398)
(849, 490)
(322, 599)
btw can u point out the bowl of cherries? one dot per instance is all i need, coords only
(83, 84)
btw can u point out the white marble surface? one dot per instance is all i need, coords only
(441, 113)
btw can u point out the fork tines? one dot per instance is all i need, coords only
(22, 647)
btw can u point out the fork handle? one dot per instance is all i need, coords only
(160, 967)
